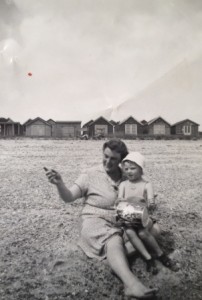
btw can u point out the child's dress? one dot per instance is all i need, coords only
(134, 191)
(135, 194)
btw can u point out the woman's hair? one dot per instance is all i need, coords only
(116, 145)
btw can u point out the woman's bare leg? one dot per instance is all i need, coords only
(129, 249)
(118, 262)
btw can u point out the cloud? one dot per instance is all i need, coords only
(82, 52)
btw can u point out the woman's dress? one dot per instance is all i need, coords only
(98, 215)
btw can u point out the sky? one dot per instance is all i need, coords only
(88, 58)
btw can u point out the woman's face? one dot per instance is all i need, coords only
(132, 170)
(111, 160)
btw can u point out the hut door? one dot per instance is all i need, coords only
(131, 129)
(9, 130)
(159, 129)
(68, 131)
(38, 130)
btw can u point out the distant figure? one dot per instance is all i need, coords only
(84, 137)
(139, 191)
(98, 136)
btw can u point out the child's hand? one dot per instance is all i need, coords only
(53, 176)
(118, 201)
(152, 207)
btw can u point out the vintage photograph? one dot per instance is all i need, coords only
(100, 149)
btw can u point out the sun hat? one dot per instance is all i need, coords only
(137, 158)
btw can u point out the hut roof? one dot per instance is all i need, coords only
(185, 121)
(34, 120)
(155, 119)
(99, 119)
(127, 120)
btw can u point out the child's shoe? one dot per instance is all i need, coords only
(151, 266)
(168, 262)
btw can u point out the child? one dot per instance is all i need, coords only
(138, 190)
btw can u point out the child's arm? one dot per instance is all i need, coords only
(150, 196)
(121, 193)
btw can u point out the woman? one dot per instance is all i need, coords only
(100, 238)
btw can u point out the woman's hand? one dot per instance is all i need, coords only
(53, 176)
(67, 194)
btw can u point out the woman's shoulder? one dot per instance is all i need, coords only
(92, 170)
(95, 173)
(86, 177)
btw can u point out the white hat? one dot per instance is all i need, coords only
(137, 158)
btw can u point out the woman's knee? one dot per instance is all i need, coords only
(129, 249)
(115, 241)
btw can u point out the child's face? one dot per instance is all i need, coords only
(132, 170)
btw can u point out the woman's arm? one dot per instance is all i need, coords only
(67, 195)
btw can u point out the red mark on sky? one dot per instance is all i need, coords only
(29, 74)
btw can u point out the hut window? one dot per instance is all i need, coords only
(131, 129)
(101, 129)
(187, 129)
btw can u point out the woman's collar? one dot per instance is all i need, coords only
(102, 169)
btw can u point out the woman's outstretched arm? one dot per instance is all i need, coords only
(67, 194)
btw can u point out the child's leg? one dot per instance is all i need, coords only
(137, 243)
(150, 241)
(155, 230)
(148, 238)
(118, 262)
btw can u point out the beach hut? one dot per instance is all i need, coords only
(186, 128)
(67, 129)
(157, 126)
(9, 128)
(128, 127)
(101, 127)
(37, 128)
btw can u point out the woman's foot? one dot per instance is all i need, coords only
(151, 266)
(168, 262)
(139, 291)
